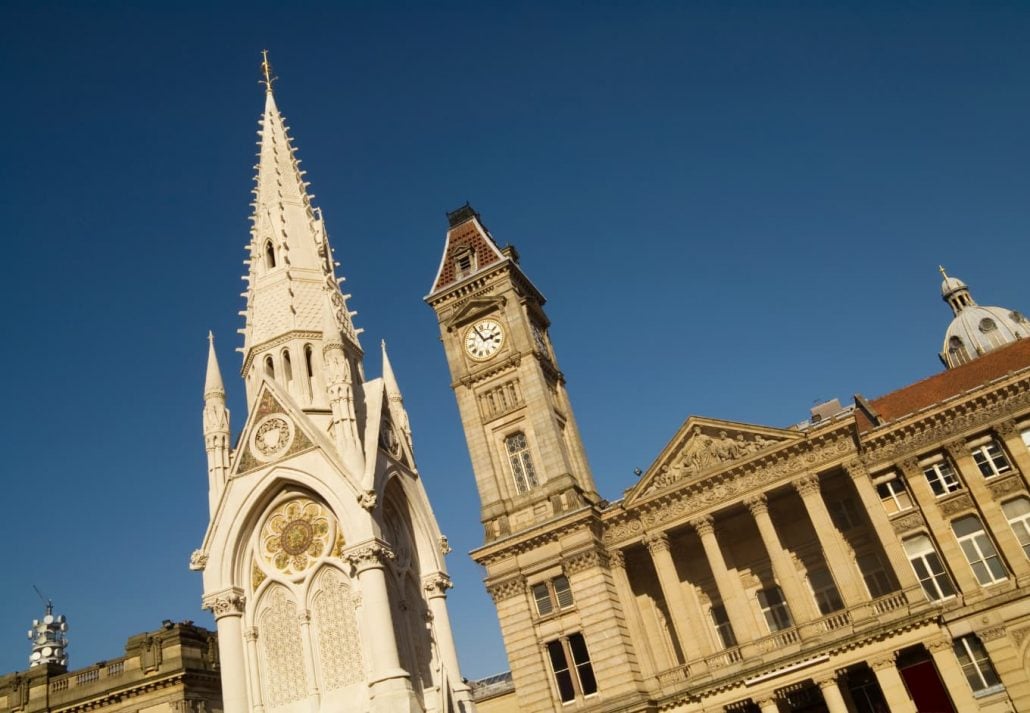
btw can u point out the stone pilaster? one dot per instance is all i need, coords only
(893, 687)
(943, 652)
(227, 607)
(628, 601)
(250, 636)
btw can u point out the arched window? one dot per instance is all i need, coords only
(989, 328)
(928, 568)
(1017, 512)
(269, 367)
(521, 464)
(269, 255)
(957, 353)
(979, 550)
(309, 368)
(287, 368)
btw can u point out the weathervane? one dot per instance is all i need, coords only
(266, 68)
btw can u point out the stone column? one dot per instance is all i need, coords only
(628, 601)
(885, 532)
(307, 647)
(250, 636)
(227, 607)
(893, 687)
(687, 620)
(832, 696)
(993, 519)
(943, 652)
(730, 589)
(767, 703)
(839, 557)
(435, 586)
(799, 599)
(390, 685)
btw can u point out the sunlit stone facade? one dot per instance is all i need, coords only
(873, 558)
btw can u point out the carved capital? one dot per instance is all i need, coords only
(250, 634)
(758, 504)
(957, 448)
(1006, 429)
(436, 584)
(616, 559)
(367, 500)
(935, 646)
(826, 680)
(229, 602)
(303, 617)
(582, 560)
(506, 589)
(996, 632)
(883, 661)
(705, 525)
(369, 555)
(198, 560)
(657, 542)
(807, 486)
(910, 467)
(856, 469)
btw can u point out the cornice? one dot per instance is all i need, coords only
(946, 421)
(536, 536)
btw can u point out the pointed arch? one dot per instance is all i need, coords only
(281, 658)
(269, 255)
(333, 603)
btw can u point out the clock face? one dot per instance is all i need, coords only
(483, 339)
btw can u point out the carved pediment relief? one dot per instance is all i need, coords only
(472, 308)
(703, 446)
(271, 434)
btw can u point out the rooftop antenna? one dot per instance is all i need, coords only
(49, 642)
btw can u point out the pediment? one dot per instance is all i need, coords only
(275, 430)
(472, 309)
(703, 446)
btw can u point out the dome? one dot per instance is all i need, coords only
(976, 330)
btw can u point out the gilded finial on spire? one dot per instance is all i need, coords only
(943, 273)
(266, 68)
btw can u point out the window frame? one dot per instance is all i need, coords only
(987, 462)
(979, 543)
(579, 672)
(524, 459)
(1022, 533)
(976, 665)
(553, 595)
(721, 623)
(928, 558)
(944, 480)
(777, 613)
(827, 596)
(897, 490)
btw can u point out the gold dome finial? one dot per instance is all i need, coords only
(266, 68)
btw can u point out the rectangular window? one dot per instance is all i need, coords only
(976, 664)
(928, 568)
(1017, 512)
(570, 663)
(825, 591)
(522, 470)
(844, 514)
(553, 594)
(721, 622)
(877, 579)
(941, 477)
(991, 460)
(894, 495)
(979, 550)
(777, 616)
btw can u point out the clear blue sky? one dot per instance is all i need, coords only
(736, 209)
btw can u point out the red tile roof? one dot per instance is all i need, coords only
(463, 236)
(993, 365)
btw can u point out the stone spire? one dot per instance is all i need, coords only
(291, 268)
(339, 381)
(216, 427)
(393, 396)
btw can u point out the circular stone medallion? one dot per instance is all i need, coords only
(272, 437)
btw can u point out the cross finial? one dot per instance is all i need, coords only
(266, 69)
(943, 273)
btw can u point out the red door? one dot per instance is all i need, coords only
(926, 688)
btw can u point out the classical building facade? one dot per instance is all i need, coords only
(171, 670)
(323, 563)
(874, 558)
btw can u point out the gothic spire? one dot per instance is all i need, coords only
(394, 399)
(213, 383)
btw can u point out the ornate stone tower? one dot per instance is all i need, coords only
(529, 462)
(323, 562)
(547, 569)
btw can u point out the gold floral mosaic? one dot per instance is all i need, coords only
(296, 533)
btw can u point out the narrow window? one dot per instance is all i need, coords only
(584, 669)
(570, 663)
(979, 550)
(777, 616)
(562, 674)
(827, 598)
(562, 591)
(957, 351)
(308, 357)
(269, 367)
(521, 464)
(991, 460)
(723, 629)
(894, 495)
(941, 477)
(542, 595)
(1017, 512)
(269, 255)
(877, 580)
(287, 368)
(928, 568)
(553, 594)
(976, 664)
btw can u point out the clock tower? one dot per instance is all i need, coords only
(529, 461)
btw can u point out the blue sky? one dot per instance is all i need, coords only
(735, 209)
